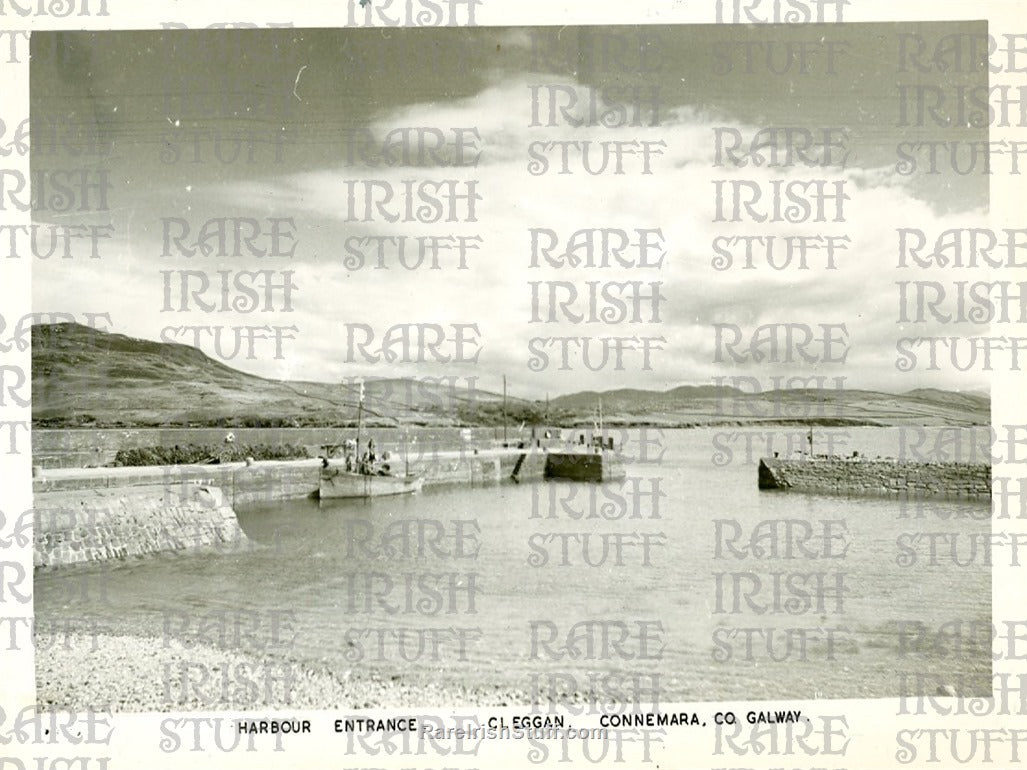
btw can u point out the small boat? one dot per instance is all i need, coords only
(363, 478)
(339, 483)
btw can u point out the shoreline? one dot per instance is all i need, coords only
(720, 421)
(120, 672)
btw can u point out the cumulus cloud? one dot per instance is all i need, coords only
(670, 181)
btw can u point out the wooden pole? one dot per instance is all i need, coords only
(360, 415)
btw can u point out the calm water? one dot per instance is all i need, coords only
(315, 561)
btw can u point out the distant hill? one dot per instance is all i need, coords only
(971, 400)
(84, 377)
(689, 406)
(88, 378)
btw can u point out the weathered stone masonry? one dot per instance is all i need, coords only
(120, 513)
(878, 477)
(77, 527)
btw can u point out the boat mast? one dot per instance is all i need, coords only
(602, 436)
(360, 415)
(504, 410)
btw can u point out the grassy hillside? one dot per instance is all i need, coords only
(86, 378)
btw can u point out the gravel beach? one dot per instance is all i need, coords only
(137, 674)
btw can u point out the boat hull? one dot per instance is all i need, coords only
(342, 485)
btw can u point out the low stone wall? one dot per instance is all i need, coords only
(274, 481)
(486, 467)
(531, 468)
(469, 471)
(80, 526)
(878, 477)
(84, 515)
(239, 484)
(286, 479)
(81, 447)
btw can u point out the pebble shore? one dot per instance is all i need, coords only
(136, 673)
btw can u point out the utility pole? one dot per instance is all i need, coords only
(504, 410)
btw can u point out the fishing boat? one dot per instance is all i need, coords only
(339, 483)
(361, 478)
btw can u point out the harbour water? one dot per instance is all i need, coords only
(483, 586)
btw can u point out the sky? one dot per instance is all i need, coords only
(289, 109)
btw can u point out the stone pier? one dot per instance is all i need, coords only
(959, 481)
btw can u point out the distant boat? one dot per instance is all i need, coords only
(337, 483)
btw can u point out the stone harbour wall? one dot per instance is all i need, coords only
(239, 483)
(878, 477)
(81, 526)
(86, 515)
(473, 468)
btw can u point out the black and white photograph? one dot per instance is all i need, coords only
(624, 386)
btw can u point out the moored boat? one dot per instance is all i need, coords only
(338, 483)
(366, 475)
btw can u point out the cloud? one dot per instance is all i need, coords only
(669, 182)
